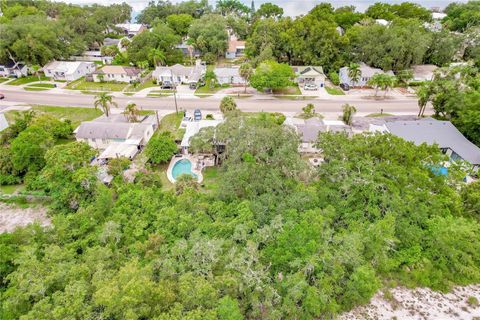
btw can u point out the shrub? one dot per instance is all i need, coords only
(161, 148)
(334, 77)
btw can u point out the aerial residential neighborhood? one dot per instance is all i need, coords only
(239, 159)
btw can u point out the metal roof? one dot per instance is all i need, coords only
(433, 131)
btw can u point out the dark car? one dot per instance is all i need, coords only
(2, 96)
(167, 85)
(193, 86)
(344, 86)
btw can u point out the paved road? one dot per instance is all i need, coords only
(332, 105)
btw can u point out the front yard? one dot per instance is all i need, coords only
(83, 85)
(147, 84)
(25, 80)
(335, 91)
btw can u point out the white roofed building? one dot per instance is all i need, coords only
(68, 70)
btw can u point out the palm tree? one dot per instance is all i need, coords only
(423, 95)
(348, 112)
(354, 73)
(104, 101)
(36, 68)
(246, 72)
(132, 112)
(388, 84)
(156, 56)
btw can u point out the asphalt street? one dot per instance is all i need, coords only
(397, 105)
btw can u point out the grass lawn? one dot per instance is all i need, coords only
(74, 114)
(335, 91)
(295, 97)
(171, 122)
(4, 79)
(128, 94)
(159, 95)
(295, 90)
(35, 89)
(210, 179)
(83, 85)
(42, 85)
(25, 80)
(379, 115)
(11, 189)
(206, 91)
(145, 85)
(166, 184)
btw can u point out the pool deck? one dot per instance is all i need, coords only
(190, 158)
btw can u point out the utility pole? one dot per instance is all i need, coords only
(174, 92)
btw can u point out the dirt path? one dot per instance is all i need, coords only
(12, 217)
(420, 304)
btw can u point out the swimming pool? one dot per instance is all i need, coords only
(183, 166)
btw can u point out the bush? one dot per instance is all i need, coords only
(161, 148)
(334, 77)
(118, 165)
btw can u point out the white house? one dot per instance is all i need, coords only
(92, 56)
(366, 73)
(192, 128)
(131, 29)
(12, 69)
(310, 75)
(179, 74)
(229, 76)
(424, 72)
(114, 136)
(117, 74)
(382, 22)
(68, 70)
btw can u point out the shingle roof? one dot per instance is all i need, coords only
(67, 67)
(129, 71)
(311, 70)
(227, 72)
(442, 133)
(109, 130)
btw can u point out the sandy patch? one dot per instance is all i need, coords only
(420, 303)
(12, 217)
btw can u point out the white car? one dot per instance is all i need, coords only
(310, 86)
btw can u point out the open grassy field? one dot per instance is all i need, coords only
(171, 122)
(83, 85)
(25, 80)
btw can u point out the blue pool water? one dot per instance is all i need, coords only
(183, 166)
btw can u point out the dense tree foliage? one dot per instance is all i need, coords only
(161, 148)
(277, 239)
(209, 35)
(462, 16)
(455, 96)
(38, 31)
(161, 9)
(272, 75)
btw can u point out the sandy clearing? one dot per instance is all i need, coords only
(419, 304)
(12, 217)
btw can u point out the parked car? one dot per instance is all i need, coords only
(197, 115)
(167, 85)
(193, 86)
(2, 96)
(310, 86)
(344, 86)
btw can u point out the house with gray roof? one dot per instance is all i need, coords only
(117, 74)
(13, 69)
(309, 75)
(442, 133)
(114, 136)
(366, 73)
(229, 76)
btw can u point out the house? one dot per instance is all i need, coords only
(382, 22)
(366, 72)
(236, 48)
(229, 76)
(438, 15)
(3, 122)
(424, 72)
(310, 75)
(442, 133)
(340, 31)
(68, 70)
(115, 137)
(309, 129)
(131, 29)
(117, 74)
(13, 69)
(92, 56)
(188, 50)
(192, 127)
(179, 74)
